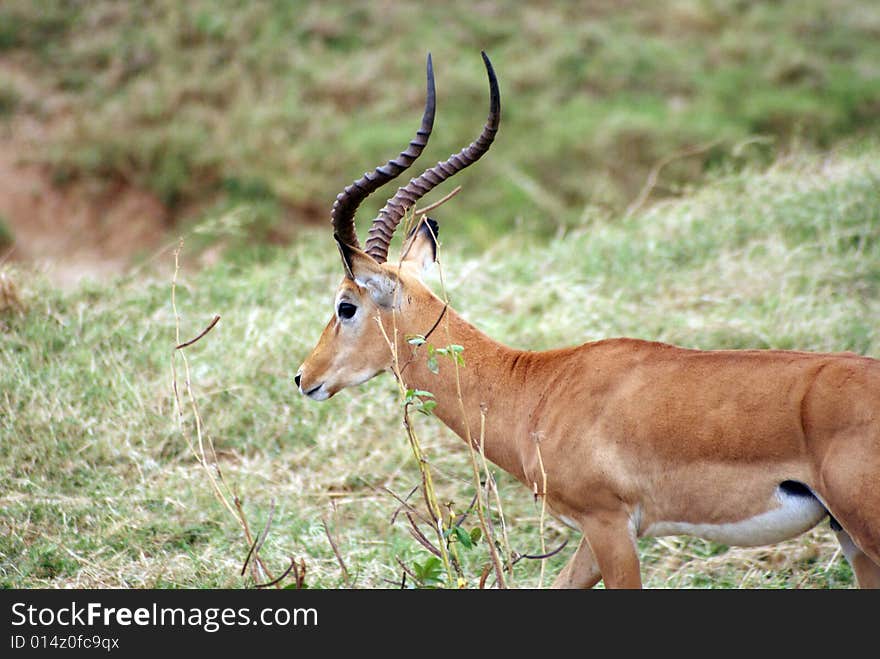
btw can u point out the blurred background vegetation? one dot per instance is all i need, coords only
(276, 106)
(702, 172)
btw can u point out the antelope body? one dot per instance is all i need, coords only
(632, 438)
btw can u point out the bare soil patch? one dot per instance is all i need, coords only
(73, 231)
(80, 229)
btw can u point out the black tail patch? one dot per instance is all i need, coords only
(798, 489)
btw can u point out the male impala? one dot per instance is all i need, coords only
(636, 438)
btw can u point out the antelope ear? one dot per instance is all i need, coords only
(420, 247)
(347, 252)
(363, 270)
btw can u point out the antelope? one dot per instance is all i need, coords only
(635, 438)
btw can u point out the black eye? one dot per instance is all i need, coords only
(346, 310)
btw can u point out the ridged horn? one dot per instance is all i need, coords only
(347, 202)
(389, 217)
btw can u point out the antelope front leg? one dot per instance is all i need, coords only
(613, 544)
(581, 571)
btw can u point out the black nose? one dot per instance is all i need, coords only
(296, 379)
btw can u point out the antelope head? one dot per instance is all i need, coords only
(376, 299)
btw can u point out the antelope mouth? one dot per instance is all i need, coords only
(318, 393)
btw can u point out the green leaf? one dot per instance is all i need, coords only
(462, 536)
(413, 395)
(430, 572)
(427, 407)
(433, 366)
(416, 340)
(453, 351)
(476, 534)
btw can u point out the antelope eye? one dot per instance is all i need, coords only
(346, 310)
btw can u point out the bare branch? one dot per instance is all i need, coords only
(539, 557)
(404, 503)
(418, 535)
(336, 551)
(426, 209)
(258, 543)
(654, 174)
(291, 567)
(203, 332)
(406, 571)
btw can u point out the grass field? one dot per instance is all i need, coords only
(100, 488)
(698, 172)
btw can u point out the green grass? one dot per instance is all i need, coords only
(205, 102)
(246, 119)
(100, 489)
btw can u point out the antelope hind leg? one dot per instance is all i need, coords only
(867, 571)
(581, 571)
(848, 484)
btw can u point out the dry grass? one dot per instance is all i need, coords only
(100, 488)
(10, 299)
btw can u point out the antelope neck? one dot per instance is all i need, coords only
(479, 393)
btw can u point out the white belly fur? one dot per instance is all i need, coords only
(794, 515)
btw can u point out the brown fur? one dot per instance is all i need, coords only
(630, 432)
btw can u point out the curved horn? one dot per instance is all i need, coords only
(389, 217)
(347, 202)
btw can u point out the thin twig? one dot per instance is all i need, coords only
(654, 174)
(336, 551)
(200, 455)
(299, 574)
(833, 558)
(406, 571)
(427, 480)
(274, 582)
(492, 485)
(487, 570)
(258, 543)
(422, 211)
(204, 331)
(485, 521)
(468, 437)
(212, 468)
(418, 535)
(543, 507)
(540, 557)
(459, 520)
(485, 525)
(242, 520)
(404, 504)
